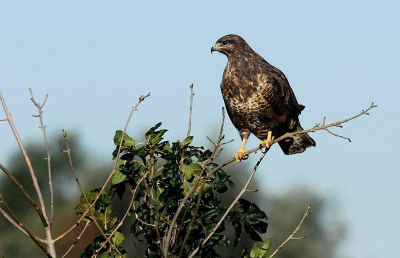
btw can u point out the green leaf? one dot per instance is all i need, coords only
(117, 137)
(260, 226)
(151, 131)
(238, 233)
(186, 142)
(113, 221)
(105, 217)
(191, 170)
(128, 141)
(244, 253)
(103, 255)
(118, 238)
(266, 247)
(220, 187)
(167, 147)
(252, 233)
(118, 177)
(255, 251)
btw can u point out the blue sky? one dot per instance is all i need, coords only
(95, 58)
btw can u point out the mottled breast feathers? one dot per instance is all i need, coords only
(258, 96)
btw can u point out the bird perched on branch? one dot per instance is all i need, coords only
(259, 99)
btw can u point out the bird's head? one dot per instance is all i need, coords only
(231, 45)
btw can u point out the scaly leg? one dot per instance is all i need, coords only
(268, 142)
(242, 150)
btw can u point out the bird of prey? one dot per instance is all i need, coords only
(259, 99)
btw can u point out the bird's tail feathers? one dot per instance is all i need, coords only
(298, 144)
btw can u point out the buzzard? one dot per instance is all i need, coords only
(259, 99)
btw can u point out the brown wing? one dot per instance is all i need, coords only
(283, 90)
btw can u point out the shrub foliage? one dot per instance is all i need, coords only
(156, 175)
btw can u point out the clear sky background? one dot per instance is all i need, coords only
(95, 58)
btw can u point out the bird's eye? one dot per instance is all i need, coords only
(224, 42)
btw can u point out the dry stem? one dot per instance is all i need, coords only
(134, 108)
(77, 239)
(10, 219)
(15, 218)
(190, 110)
(287, 135)
(244, 189)
(292, 236)
(125, 215)
(26, 195)
(68, 152)
(46, 143)
(49, 238)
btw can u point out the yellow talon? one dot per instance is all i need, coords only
(242, 150)
(240, 155)
(269, 141)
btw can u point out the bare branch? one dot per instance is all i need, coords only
(125, 215)
(326, 126)
(167, 239)
(287, 135)
(26, 195)
(338, 135)
(134, 108)
(68, 152)
(15, 218)
(244, 189)
(190, 110)
(211, 141)
(318, 127)
(77, 239)
(15, 224)
(196, 210)
(49, 238)
(292, 236)
(40, 115)
(27, 159)
(175, 218)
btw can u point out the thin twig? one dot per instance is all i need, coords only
(15, 224)
(190, 110)
(77, 239)
(175, 218)
(324, 126)
(125, 215)
(49, 238)
(244, 190)
(292, 236)
(181, 224)
(26, 195)
(46, 143)
(288, 135)
(338, 135)
(196, 210)
(167, 239)
(134, 108)
(71, 164)
(15, 218)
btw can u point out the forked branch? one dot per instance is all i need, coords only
(244, 189)
(46, 144)
(293, 235)
(134, 108)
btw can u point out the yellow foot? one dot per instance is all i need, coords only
(240, 155)
(267, 143)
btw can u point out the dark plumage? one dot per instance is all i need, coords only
(258, 98)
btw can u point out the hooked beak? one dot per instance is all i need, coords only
(215, 47)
